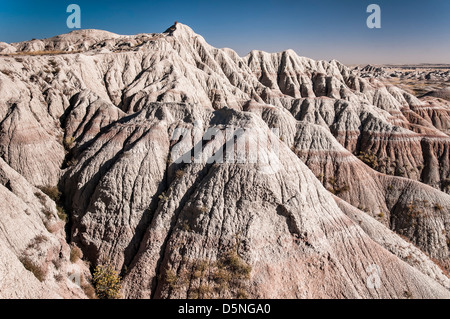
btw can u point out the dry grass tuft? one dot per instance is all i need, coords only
(29, 265)
(75, 253)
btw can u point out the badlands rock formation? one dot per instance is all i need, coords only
(440, 93)
(349, 197)
(421, 79)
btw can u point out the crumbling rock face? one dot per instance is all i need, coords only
(35, 259)
(344, 175)
(338, 192)
(256, 208)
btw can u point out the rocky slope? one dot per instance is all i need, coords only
(354, 178)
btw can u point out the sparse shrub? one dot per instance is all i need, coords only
(206, 279)
(335, 188)
(40, 197)
(185, 226)
(51, 191)
(75, 253)
(39, 239)
(399, 171)
(201, 265)
(417, 213)
(179, 173)
(61, 213)
(380, 214)
(107, 282)
(222, 276)
(199, 269)
(164, 197)
(411, 206)
(369, 159)
(203, 291)
(170, 278)
(320, 177)
(36, 241)
(197, 274)
(29, 265)
(47, 213)
(242, 294)
(203, 209)
(6, 72)
(438, 207)
(229, 273)
(59, 277)
(68, 143)
(234, 263)
(55, 195)
(88, 289)
(57, 263)
(72, 162)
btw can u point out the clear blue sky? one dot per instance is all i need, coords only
(412, 31)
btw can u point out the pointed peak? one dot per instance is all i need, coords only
(180, 29)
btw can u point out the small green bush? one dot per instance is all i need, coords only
(107, 282)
